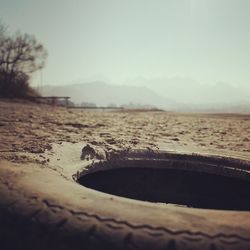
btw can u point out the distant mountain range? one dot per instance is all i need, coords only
(191, 92)
(103, 94)
(176, 95)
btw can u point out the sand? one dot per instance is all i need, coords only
(28, 131)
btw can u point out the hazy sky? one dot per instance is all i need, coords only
(120, 40)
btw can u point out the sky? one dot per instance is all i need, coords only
(119, 41)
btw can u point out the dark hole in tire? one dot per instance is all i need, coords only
(176, 186)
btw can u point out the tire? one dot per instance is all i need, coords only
(44, 209)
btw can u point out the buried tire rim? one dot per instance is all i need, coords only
(183, 182)
(82, 217)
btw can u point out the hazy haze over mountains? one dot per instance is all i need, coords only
(180, 94)
(189, 91)
(103, 94)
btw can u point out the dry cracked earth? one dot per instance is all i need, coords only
(27, 130)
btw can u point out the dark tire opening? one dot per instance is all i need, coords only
(176, 186)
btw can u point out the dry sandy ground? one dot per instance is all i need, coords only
(28, 130)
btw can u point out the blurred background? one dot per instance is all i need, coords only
(185, 55)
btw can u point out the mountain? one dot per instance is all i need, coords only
(192, 93)
(176, 94)
(103, 94)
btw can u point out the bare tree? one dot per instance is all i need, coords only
(20, 56)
